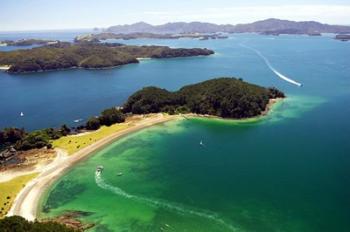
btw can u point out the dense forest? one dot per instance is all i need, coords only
(19, 224)
(223, 97)
(64, 55)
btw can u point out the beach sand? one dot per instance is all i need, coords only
(27, 200)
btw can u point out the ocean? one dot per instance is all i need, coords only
(287, 172)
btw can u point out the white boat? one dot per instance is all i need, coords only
(99, 168)
(78, 120)
(22, 114)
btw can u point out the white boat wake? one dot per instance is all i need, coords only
(267, 62)
(175, 207)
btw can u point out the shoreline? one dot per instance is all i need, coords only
(27, 200)
(272, 102)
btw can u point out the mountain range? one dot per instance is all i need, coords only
(273, 26)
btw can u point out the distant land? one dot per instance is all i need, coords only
(64, 55)
(27, 42)
(268, 26)
(342, 37)
(145, 35)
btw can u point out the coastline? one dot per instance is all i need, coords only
(261, 116)
(27, 200)
(26, 203)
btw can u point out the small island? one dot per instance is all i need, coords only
(27, 42)
(64, 55)
(222, 97)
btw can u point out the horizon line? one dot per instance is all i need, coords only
(128, 24)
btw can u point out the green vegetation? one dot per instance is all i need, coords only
(22, 140)
(63, 55)
(9, 190)
(19, 224)
(74, 143)
(107, 118)
(223, 97)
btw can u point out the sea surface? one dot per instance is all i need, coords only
(287, 172)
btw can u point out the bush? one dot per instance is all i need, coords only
(19, 224)
(111, 116)
(93, 124)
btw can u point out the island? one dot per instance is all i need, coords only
(146, 35)
(27, 42)
(342, 37)
(64, 55)
(222, 97)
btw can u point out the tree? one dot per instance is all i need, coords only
(111, 116)
(19, 224)
(93, 124)
(65, 130)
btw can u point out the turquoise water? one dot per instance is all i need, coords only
(287, 172)
(267, 175)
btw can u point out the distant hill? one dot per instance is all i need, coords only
(268, 25)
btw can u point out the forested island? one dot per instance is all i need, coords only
(222, 97)
(64, 55)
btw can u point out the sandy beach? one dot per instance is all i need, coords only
(27, 200)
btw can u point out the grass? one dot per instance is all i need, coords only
(73, 143)
(9, 190)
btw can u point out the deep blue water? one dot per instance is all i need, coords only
(52, 98)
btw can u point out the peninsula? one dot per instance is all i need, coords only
(64, 55)
(223, 97)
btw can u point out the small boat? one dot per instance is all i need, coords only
(78, 120)
(119, 174)
(99, 168)
(201, 143)
(22, 114)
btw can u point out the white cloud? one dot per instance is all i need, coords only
(333, 14)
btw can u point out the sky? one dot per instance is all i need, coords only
(25, 15)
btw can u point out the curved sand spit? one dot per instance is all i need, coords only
(27, 201)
